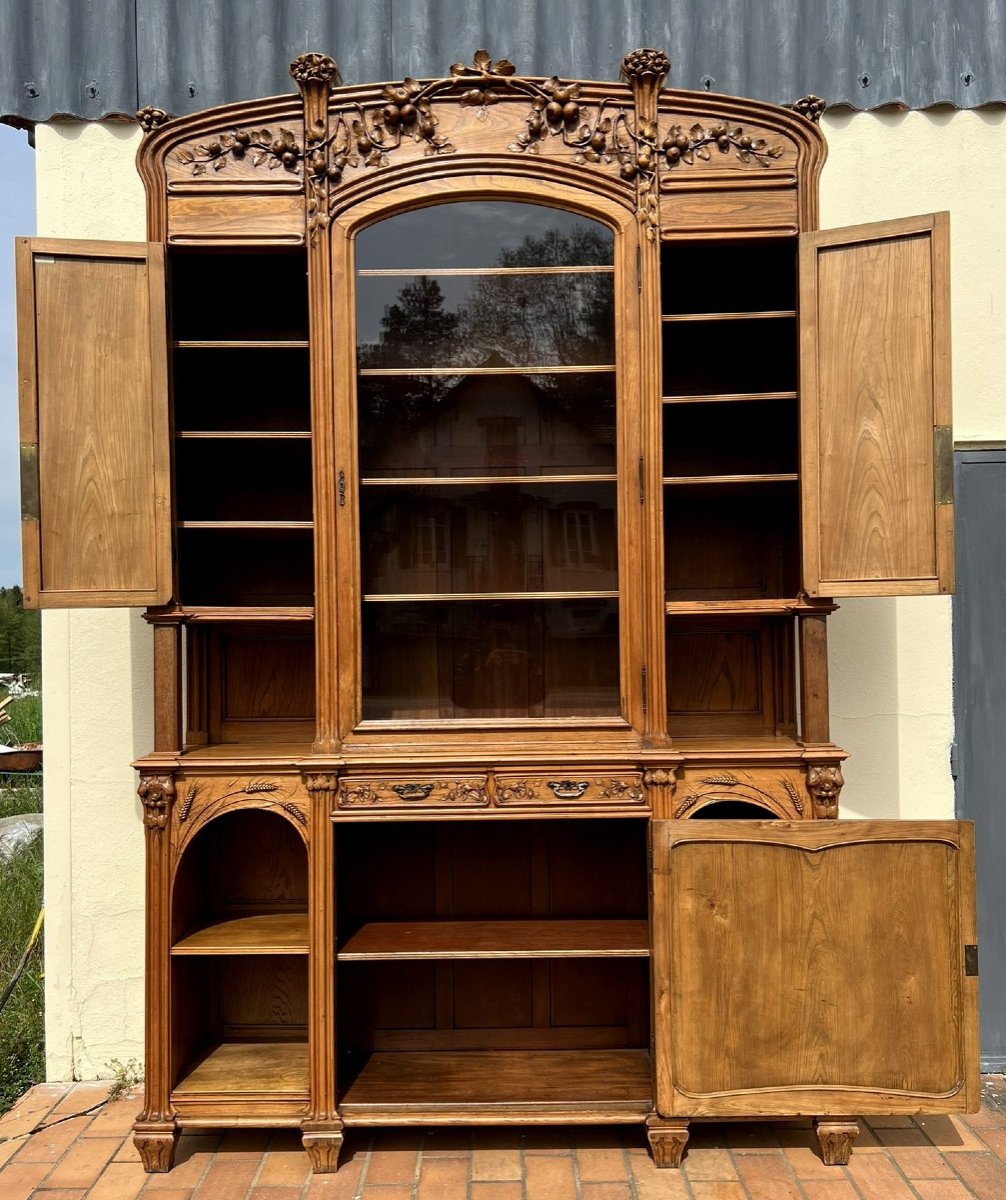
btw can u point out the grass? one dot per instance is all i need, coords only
(22, 1060)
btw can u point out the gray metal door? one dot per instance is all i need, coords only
(979, 617)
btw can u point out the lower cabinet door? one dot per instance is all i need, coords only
(814, 968)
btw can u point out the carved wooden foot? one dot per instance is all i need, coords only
(836, 1135)
(667, 1137)
(155, 1143)
(323, 1143)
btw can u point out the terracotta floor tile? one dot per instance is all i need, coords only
(274, 1193)
(119, 1181)
(82, 1163)
(10, 1148)
(59, 1194)
(443, 1176)
(995, 1139)
(878, 1178)
(718, 1191)
(656, 1183)
(922, 1162)
(984, 1174)
(707, 1162)
(892, 1122)
(394, 1191)
(192, 1157)
(495, 1164)
(246, 1141)
(949, 1134)
(547, 1139)
(284, 1168)
(702, 1134)
(496, 1190)
(127, 1152)
(178, 1194)
(606, 1191)
(943, 1189)
(767, 1177)
(340, 1186)
(550, 1178)
(228, 1178)
(806, 1163)
(19, 1179)
(910, 1136)
(601, 1164)
(82, 1096)
(837, 1189)
(392, 1166)
(447, 1141)
(32, 1108)
(115, 1118)
(52, 1143)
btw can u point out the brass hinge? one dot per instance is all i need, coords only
(970, 960)
(644, 683)
(30, 503)
(943, 464)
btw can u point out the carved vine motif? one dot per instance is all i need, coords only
(679, 146)
(619, 790)
(156, 793)
(811, 107)
(457, 791)
(260, 145)
(824, 784)
(469, 791)
(518, 792)
(726, 786)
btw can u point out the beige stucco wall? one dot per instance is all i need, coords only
(890, 660)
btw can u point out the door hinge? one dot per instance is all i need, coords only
(642, 481)
(943, 464)
(639, 269)
(30, 503)
(644, 685)
(970, 960)
(955, 761)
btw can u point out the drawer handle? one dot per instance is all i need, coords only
(412, 791)
(568, 789)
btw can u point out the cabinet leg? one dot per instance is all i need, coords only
(667, 1137)
(323, 1143)
(155, 1142)
(835, 1136)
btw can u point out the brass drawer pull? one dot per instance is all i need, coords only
(568, 789)
(412, 791)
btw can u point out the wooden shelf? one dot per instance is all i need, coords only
(688, 608)
(770, 315)
(244, 344)
(427, 371)
(218, 614)
(436, 597)
(729, 397)
(405, 272)
(686, 480)
(245, 524)
(243, 434)
(243, 1068)
(482, 1083)
(401, 940)
(482, 480)
(266, 933)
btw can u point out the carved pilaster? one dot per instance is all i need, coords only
(316, 75)
(645, 71)
(835, 1136)
(824, 783)
(660, 783)
(668, 1137)
(321, 1129)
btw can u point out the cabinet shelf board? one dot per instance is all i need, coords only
(400, 940)
(245, 524)
(691, 480)
(443, 272)
(482, 480)
(243, 344)
(783, 607)
(217, 615)
(505, 1079)
(437, 597)
(422, 372)
(248, 1068)
(270, 435)
(265, 933)
(728, 397)
(768, 315)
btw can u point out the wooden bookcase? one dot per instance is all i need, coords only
(487, 454)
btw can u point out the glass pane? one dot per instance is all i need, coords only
(498, 538)
(490, 659)
(475, 426)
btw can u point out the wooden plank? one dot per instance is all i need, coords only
(94, 402)
(780, 477)
(265, 933)
(729, 316)
(875, 389)
(253, 1068)
(497, 939)
(729, 397)
(470, 1080)
(771, 210)
(195, 219)
(481, 480)
(436, 597)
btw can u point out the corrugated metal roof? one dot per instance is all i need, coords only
(93, 58)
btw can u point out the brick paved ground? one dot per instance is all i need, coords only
(90, 1154)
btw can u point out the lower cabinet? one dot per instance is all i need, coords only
(541, 970)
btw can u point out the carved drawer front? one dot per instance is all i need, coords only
(778, 791)
(413, 791)
(569, 788)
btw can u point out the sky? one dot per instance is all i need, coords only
(17, 218)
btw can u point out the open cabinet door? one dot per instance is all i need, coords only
(814, 968)
(95, 457)
(876, 445)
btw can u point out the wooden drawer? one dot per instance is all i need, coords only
(413, 791)
(567, 787)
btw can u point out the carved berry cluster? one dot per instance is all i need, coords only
(681, 147)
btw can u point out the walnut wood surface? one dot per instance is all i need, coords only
(496, 939)
(266, 933)
(233, 1068)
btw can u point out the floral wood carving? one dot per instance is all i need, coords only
(260, 145)
(619, 790)
(518, 792)
(681, 147)
(151, 118)
(467, 791)
(824, 784)
(811, 107)
(156, 793)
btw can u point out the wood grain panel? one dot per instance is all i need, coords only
(728, 210)
(208, 218)
(801, 967)
(874, 386)
(92, 342)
